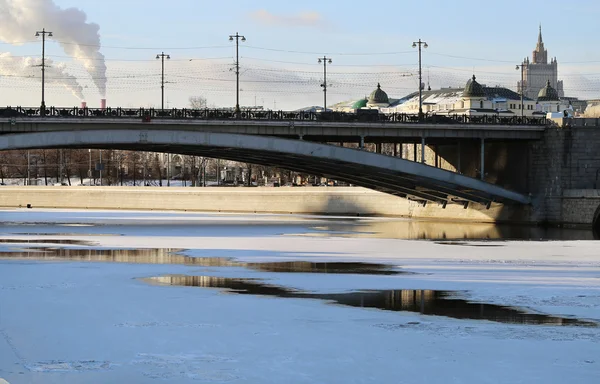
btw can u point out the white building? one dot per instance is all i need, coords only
(472, 100)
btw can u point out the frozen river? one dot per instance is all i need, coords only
(148, 297)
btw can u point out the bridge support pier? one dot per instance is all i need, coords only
(378, 148)
(423, 149)
(395, 149)
(362, 142)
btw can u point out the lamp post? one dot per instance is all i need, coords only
(424, 45)
(162, 56)
(521, 67)
(28, 169)
(325, 60)
(43, 33)
(101, 166)
(237, 38)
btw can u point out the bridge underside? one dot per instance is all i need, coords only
(388, 174)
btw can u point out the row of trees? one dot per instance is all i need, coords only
(83, 166)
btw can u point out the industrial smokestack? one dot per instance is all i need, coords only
(103, 104)
(83, 105)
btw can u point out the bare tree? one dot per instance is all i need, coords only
(198, 102)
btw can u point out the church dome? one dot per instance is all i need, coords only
(473, 89)
(378, 96)
(548, 93)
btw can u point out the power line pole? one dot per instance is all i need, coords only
(414, 45)
(324, 60)
(162, 56)
(522, 67)
(237, 38)
(43, 33)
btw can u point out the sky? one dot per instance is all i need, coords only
(368, 43)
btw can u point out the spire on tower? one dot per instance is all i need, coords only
(540, 55)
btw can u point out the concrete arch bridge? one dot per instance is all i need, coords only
(396, 176)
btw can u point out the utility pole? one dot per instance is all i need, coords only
(237, 38)
(522, 67)
(162, 57)
(43, 33)
(101, 166)
(90, 166)
(168, 169)
(414, 45)
(28, 169)
(324, 60)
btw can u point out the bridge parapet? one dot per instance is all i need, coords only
(265, 115)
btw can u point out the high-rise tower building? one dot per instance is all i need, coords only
(537, 72)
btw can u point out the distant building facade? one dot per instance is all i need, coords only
(538, 71)
(473, 100)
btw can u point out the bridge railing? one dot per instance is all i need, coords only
(149, 114)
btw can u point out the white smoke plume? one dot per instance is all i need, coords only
(30, 68)
(20, 19)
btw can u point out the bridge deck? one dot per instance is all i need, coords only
(308, 130)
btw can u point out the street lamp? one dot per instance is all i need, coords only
(162, 56)
(43, 32)
(325, 60)
(414, 45)
(237, 38)
(521, 67)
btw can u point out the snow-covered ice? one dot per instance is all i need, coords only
(75, 321)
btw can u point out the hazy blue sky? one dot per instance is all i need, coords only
(369, 42)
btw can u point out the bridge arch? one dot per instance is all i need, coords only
(375, 171)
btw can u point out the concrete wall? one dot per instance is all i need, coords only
(312, 200)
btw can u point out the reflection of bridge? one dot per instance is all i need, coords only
(290, 140)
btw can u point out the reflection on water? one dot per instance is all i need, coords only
(46, 241)
(430, 230)
(427, 302)
(335, 267)
(130, 256)
(171, 256)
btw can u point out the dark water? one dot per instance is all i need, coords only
(171, 256)
(307, 226)
(442, 231)
(427, 302)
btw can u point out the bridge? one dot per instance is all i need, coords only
(295, 141)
